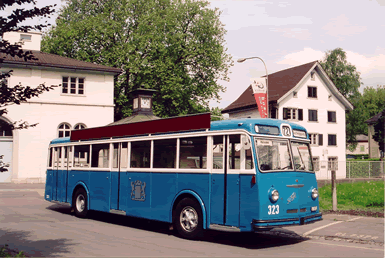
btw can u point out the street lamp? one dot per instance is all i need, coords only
(241, 60)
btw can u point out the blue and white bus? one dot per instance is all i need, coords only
(232, 175)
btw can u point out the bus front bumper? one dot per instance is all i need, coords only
(260, 225)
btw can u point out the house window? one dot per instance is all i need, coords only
(311, 92)
(313, 138)
(333, 163)
(64, 130)
(80, 126)
(5, 129)
(4, 80)
(295, 94)
(316, 163)
(332, 117)
(292, 114)
(25, 37)
(313, 115)
(332, 140)
(73, 85)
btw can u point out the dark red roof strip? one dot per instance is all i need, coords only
(173, 124)
(279, 83)
(51, 60)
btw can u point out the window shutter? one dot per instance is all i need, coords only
(315, 92)
(316, 115)
(334, 118)
(308, 92)
(320, 140)
(300, 114)
(285, 113)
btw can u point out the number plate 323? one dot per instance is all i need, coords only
(273, 209)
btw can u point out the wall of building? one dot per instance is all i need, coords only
(252, 113)
(362, 148)
(30, 146)
(323, 103)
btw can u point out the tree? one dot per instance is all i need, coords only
(347, 80)
(18, 93)
(379, 133)
(175, 47)
(343, 74)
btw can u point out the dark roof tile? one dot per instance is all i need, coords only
(51, 60)
(279, 83)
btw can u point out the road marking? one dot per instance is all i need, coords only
(359, 247)
(334, 223)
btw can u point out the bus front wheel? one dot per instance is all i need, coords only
(188, 218)
(80, 203)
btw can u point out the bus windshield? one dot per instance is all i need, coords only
(275, 154)
(301, 156)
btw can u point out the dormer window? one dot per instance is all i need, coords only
(25, 37)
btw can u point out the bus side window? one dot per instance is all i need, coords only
(82, 156)
(140, 154)
(235, 151)
(165, 153)
(100, 155)
(218, 152)
(124, 155)
(193, 152)
(249, 163)
(50, 158)
(115, 160)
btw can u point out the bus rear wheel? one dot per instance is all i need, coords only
(80, 203)
(188, 218)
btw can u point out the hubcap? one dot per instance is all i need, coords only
(80, 203)
(188, 219)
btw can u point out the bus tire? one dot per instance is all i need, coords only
(188, 219)
(80, 203)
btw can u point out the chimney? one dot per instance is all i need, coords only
(29, 40)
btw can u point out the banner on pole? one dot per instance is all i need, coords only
(260, 94)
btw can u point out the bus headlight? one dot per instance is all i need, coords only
(274, 196)
(314, 193)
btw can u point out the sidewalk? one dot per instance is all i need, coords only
(21, 186)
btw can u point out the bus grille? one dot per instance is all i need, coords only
(292, 211)
(303, 210)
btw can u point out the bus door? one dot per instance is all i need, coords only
(63, 174)
(56, 168)
(119, 163)
(225, 180)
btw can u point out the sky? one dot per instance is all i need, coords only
(290, 33)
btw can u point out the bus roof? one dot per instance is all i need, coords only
(247, 124)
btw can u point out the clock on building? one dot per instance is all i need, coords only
(145, 102)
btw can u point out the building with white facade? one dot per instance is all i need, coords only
(85, 98)
(305, 95)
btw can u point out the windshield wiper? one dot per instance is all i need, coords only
(301, 167)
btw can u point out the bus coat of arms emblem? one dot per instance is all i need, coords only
(138, 192)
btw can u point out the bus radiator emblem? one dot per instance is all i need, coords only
(138, 191)
(291, 198)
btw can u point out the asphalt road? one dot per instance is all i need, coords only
(41, 228)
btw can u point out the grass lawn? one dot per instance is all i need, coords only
(367, 196)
